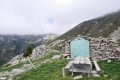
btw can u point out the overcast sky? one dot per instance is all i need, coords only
(50, 16)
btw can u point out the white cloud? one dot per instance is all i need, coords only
(31, 16)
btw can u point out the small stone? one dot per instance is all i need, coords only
(108, 61)
(78, 77)
(3, 78)
(68, 57)
(57, 57)
(105, 75)
(96, 75)
(65, 55)
(27, 67)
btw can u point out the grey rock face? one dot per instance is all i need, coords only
(116, 33)
(15, 60)
(4, 74)
(56, 43)
(23, 60)
(37, 52)
(40, 51)
(15, 72)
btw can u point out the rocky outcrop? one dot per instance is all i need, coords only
(16, 60)
(37, 52)
(116, 33)
(57, 42)
(15, 72)
(40, 51)
(3, 75)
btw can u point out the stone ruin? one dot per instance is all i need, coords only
(100, 48)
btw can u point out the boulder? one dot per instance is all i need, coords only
(27, 67)
(65, 55)
(14, 62)
(56, 56)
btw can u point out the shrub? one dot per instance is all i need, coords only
(28, 51)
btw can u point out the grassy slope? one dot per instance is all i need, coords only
(35, 62)
(49, 71)
(53, 71)
(2, 68)
(111, 69)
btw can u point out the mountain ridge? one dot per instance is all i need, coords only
(102, 26)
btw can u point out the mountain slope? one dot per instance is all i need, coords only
(102, 26)
(12, 45)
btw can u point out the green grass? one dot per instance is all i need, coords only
(111, 69)
(47, 56)
(35, 62)
(53, 71)
(48, 71)
(2, 68)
